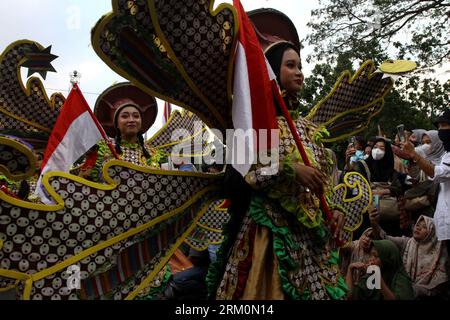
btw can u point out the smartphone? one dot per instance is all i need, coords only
(376, 202)
(401, 132)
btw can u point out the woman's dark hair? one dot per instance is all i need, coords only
(275, 57)
(140, 137)
(24, 190)
(382, 170)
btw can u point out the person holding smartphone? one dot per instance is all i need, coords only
(439, 174)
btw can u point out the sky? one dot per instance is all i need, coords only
(66, 25)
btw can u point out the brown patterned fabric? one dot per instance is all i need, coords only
(186, 61)
(33, 111)
(195, 135)
(353, 102)
(305, 269)
(36, 240)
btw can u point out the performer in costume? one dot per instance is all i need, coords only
(283, 249)
(125, 112)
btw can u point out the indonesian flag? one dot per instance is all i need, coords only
(76, 131)
(253, 101)
(167, 111)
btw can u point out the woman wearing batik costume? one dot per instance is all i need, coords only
(125, 113)
(284, 249)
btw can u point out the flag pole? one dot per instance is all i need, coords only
(301, 149)
(99, 126)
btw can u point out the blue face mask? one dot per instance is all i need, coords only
(359, 155)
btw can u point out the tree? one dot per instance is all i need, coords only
(413, 102)
(417, 29)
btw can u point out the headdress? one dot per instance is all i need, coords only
(119, 96)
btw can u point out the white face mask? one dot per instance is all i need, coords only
(426, 148)
(377, 154)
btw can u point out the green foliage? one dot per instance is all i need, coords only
(413, 29)
(413, 102)
(345, 33)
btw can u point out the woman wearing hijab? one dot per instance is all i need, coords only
(381, 162)
(432, 147)
(424, 257)
(395, 283)
(282, 248)
(358, 251)
(416, 137)
(386, 185)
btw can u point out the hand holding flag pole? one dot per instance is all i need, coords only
(323, 203)
(254, 91)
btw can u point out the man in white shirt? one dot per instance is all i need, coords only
(439, 174)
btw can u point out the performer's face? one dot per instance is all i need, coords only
(129, 122)
(291, 74)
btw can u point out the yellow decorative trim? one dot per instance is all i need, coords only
(26, 151)
(99, 28)
(346, 183)
(10, 287)
(144, 284)
(27, 89)
(14, 275)
(371, 68)
(174, 143)
(29, 279)
(82, 255)
(183, 113)
(111, 184)
(191, 245)
(12, 115)
(166, 125)
(209, 228)
(218, 208)
(356, 184)
(178, 64)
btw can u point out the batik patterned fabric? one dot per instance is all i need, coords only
(15, 162)
(179, 51)
(354, 196)
(210, 227)
(120, 235)
(184, 131)
(25, 111)
(307, 266)
(131, 153)
(353, 102)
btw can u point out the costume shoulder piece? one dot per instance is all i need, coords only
(25, 110)
(352, 103)
(116, 236)
(17, 161)
(181, 52)
(184, 132)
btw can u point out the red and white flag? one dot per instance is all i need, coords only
(253, 102)
(76, 131)
(167, 111)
